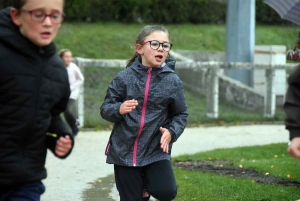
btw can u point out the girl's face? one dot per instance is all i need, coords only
(40, 33)
(151, 57)
(67, 58)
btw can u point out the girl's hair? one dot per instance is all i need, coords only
(145, 31)
(62, 52)
(18, 4)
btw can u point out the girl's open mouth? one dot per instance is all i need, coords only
(158, 58)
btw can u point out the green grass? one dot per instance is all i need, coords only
(115, 41)
(268, 159)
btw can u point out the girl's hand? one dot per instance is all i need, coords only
(63, 146)
(165, 139)
(128, 106)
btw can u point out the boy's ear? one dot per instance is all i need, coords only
(15, 16)
(139, 49)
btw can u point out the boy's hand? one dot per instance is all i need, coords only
(294, 148)
(165, 139)
(63, 146)
(128, 106)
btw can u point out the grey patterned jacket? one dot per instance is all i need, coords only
(135, 138)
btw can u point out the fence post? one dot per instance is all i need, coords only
(80, 100)
(270, 98)
(212, 92)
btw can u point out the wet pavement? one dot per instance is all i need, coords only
(84, 175)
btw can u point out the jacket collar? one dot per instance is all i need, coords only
(141, 66)
(168, 65)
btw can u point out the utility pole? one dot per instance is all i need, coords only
(240, 37)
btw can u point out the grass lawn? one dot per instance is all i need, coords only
(271, 160)
(115, 40)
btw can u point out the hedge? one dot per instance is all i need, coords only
(159, 11)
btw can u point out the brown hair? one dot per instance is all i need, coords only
(18, 4)
(62, 52)
(145, 31)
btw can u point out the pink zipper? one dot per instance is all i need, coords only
(142, 117)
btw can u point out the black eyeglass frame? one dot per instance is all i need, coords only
(62, 15)
(162, 44)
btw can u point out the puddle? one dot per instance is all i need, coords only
(100, 190)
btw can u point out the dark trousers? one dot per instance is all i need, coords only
(69, 116)
(158, 178)
(26, 192)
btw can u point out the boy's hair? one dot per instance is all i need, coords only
(18, 4)
(62, 52)
(145, 31)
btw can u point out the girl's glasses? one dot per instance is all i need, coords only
(39, 16)
(154, 44)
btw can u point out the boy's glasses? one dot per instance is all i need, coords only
(39, 16)
(154, 44)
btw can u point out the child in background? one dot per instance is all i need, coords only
(76, 80)
(147, 105)
(34, 91)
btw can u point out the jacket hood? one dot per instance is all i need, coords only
(11, 36)
(171, 63)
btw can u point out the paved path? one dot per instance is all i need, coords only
(69, 178)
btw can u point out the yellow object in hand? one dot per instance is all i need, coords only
(52, 134)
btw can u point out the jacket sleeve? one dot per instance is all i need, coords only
(109, 110)
(179, 113)
(58, 128)
(292, 104)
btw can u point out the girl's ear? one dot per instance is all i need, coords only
(14, 14)
(139, 49)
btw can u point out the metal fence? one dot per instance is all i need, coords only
(205, 78)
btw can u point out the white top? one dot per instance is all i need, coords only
(75, 79)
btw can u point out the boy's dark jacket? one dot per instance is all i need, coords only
(34, 90)
(292, 104)
(165, 107)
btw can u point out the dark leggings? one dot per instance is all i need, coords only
(158, 177)
(71, 120)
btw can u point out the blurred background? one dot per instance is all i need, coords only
(225, 50)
